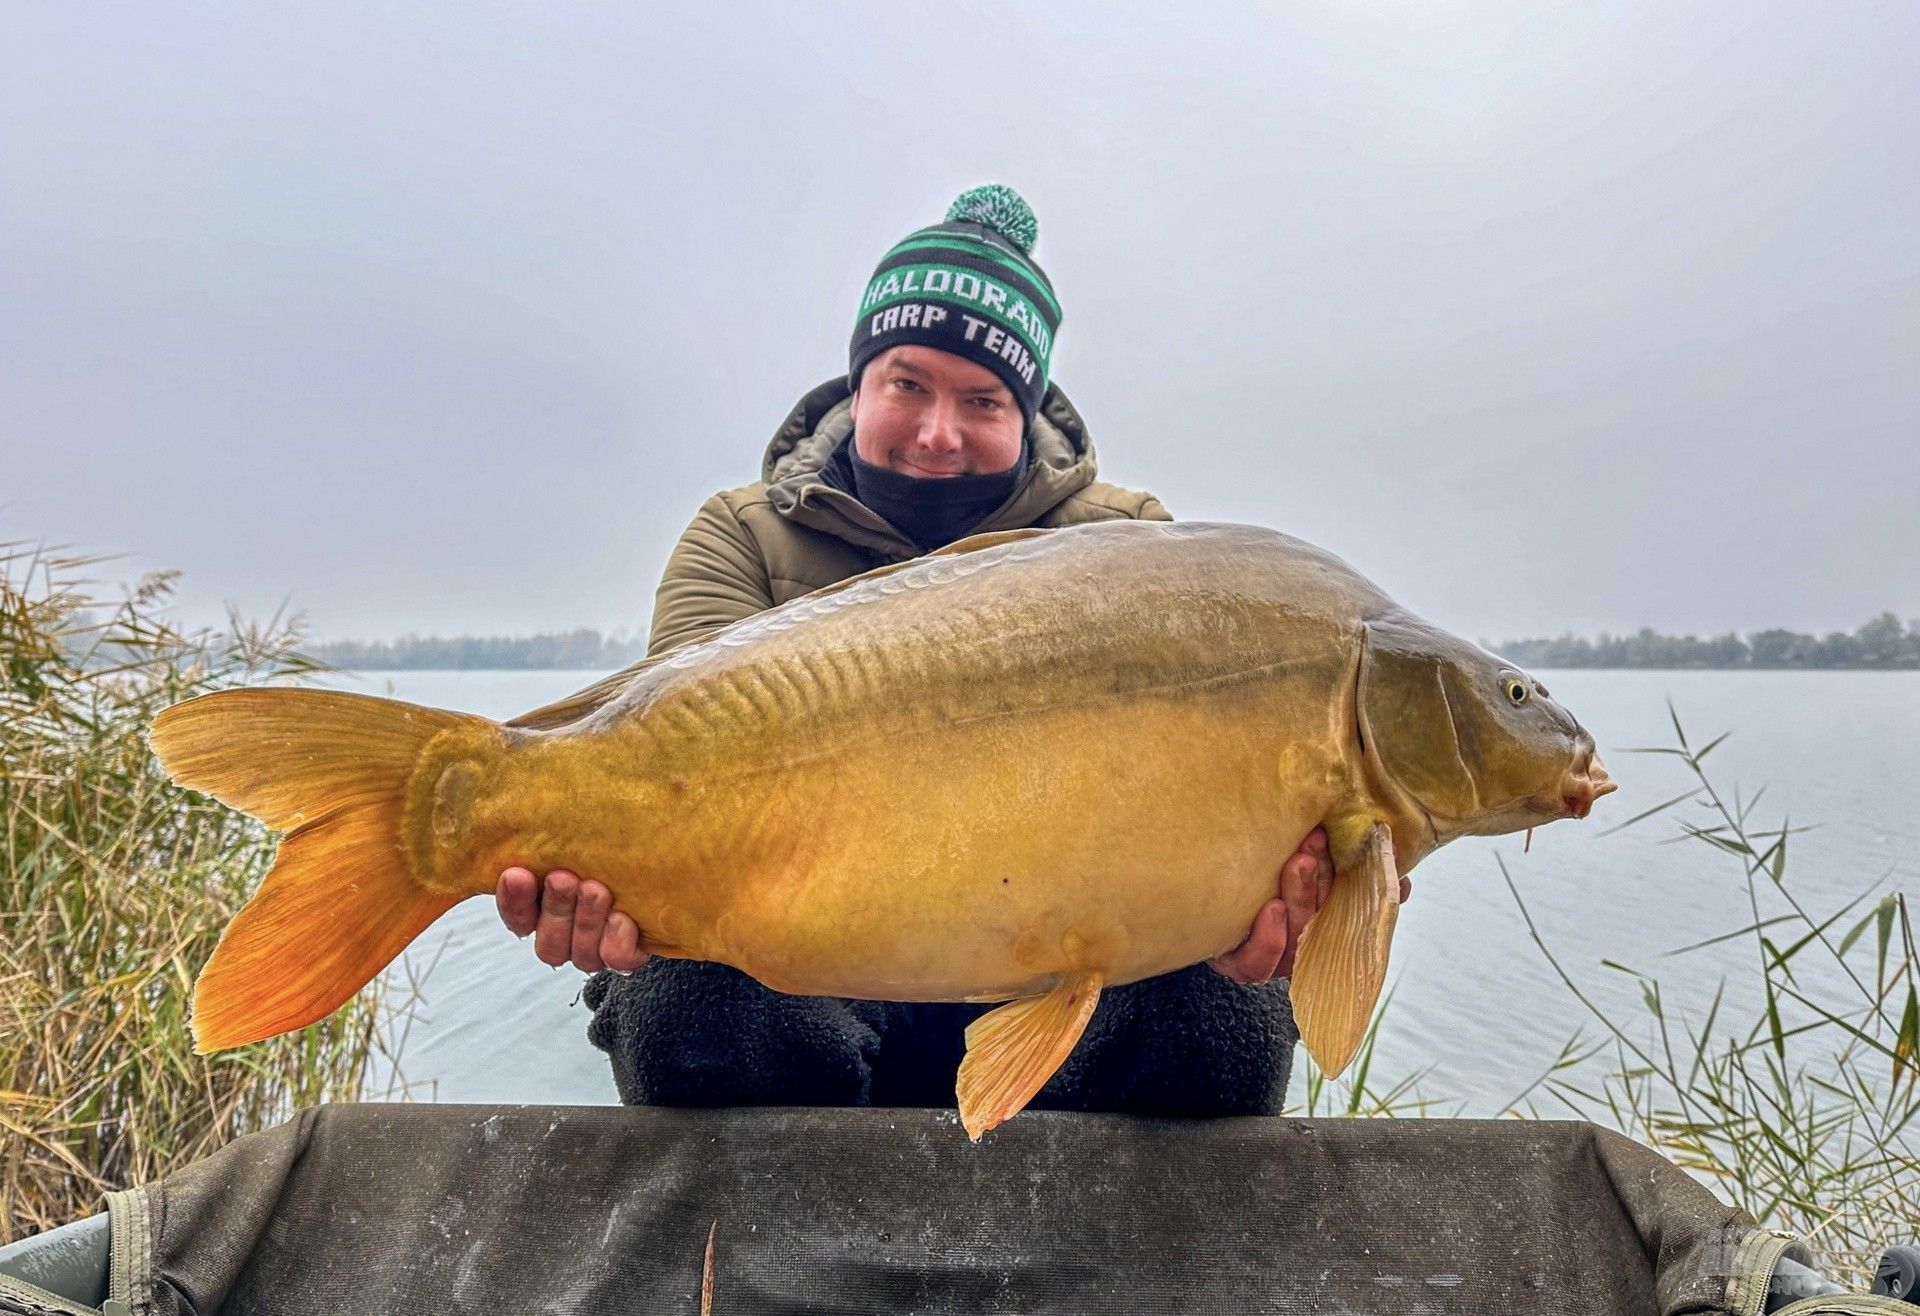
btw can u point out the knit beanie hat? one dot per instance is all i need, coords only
(967, 286)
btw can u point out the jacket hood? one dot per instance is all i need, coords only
(1060, 463)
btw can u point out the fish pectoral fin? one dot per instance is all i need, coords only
(1341, 965)
(1014, 1050)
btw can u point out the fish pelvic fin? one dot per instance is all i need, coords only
(1014, 1050)
(342, 900)
(1341, 965)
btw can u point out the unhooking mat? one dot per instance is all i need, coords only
(437, 1209)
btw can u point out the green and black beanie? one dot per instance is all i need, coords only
(967, 286)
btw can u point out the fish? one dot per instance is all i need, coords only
(1019, 770)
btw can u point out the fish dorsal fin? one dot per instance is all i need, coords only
(971, 544)
(992, 538)
(1342, 961)
(575, 706)
(563, 712)
(1014, 1050)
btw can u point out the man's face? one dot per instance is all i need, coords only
(929, 414)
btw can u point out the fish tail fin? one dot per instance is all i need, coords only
(343, 898)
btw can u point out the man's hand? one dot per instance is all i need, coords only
(570, 921)
(1305, 879)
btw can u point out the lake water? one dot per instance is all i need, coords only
(1475, 1002)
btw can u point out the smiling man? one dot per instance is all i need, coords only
(945, 425)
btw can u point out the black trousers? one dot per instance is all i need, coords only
(689, 1033)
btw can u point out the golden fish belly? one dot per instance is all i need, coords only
(976, 861)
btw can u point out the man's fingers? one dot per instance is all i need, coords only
(1315, 844)
(1299, 883)
(553, 938)
(1300, 892)
(518, 899)
(572, 922)
(589, 922)
(1305, 879)
(1257, 959)
(620, 947)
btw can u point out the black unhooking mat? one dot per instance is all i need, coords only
(436, 1209)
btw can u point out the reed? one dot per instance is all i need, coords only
(114, 888)
(1805, 1112)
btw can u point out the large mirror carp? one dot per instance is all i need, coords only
(1021, 769)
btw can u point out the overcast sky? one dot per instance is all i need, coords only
(438, 318)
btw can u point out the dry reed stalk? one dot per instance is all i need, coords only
(114, 888)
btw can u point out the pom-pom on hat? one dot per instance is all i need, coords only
(968, 285)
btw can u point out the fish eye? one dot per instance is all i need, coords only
(1516, 690)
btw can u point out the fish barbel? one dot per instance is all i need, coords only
(1027, 767)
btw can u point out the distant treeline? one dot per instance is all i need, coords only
(1882, 642)
(582, 648)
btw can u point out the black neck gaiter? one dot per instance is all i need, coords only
(931, 511)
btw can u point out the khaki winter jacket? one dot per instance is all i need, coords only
(790, 532)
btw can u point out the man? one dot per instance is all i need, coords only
(945, 426)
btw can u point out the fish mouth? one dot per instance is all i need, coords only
(1585, 782)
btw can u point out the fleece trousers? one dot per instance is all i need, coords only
(690, 1033)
